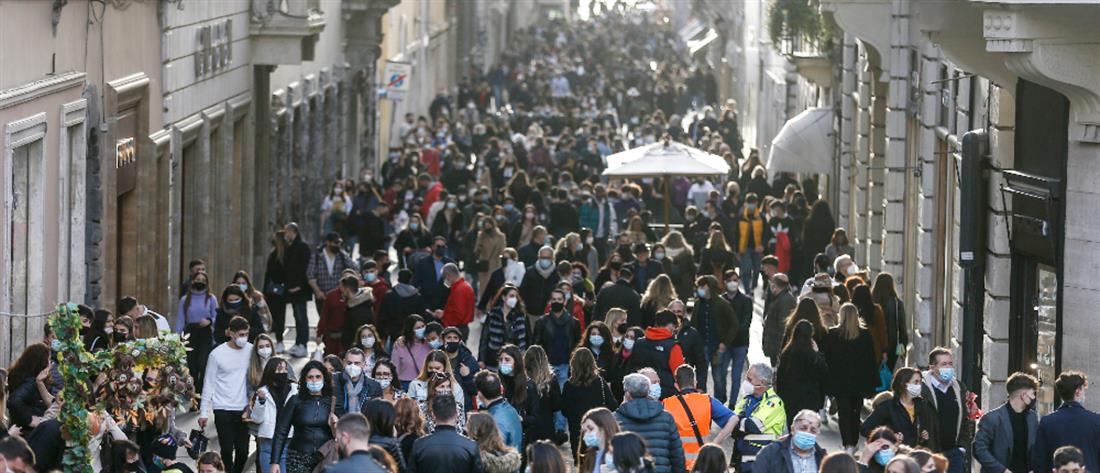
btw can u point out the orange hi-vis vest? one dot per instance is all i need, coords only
(699, 404)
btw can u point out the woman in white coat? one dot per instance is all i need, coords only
(275, 388)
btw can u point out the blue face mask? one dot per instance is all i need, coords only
(804, 440)
(596, 340)
(435, 344)
(419, 333)
(509, 207)
(884, 456)
(55, 345)
(701, 292)
(946, 374)
(655, 391)
(592, 440)
(414, 226)
(506, 369)
(244, 287)
(315, 386)
(370, 277)
(628, 343)
(545, 263)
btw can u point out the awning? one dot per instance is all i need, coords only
(665, 159)
(804, 144)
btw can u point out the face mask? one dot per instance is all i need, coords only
(235, 304)
(804, 440)
(579, 247)
(747, 388)
(577, 276)
(511, 302)
(701, 292)
(264, 352)
(591, 439)
(435, 344)
(368, 342)
(509, 207)
(156, 462)
(281, 379)
(529, 215)
(750, 207)
(385, 383)
(371, 277)
(419, 333)
(414, 226)
(244, 287)
(628, 343)
(241, 341)
(198, 286)
(732, 286)
(315, 386)
(655, 391)
(338, 190)
(589, 240)
(616, 265)
(596, 340)
(609, 460)
(451, 205)
(556, 307)
(440, 251)
(545, 263)
(946, 374)
(55, 345)
(659, 255)
(506, 369)
(452, 347)
(884, 456)
(913, 389)
(353, 371)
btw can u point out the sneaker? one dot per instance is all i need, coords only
(279, 348)
(298, 351)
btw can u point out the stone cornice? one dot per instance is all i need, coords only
(40, 88)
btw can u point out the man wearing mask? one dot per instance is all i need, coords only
(644, 269)
(558, 332)
(326, 267)
(690, 341)
(761, 409)
(660, 352)
(538, 281)
(463, 363)
(641, 412)
(298, 290)
(750, 245)
(352, 387)
(428, 275)
(226, 394)
(373, 280)
(459, 311)
(714, 319)
(352, 437)
(490, 398)
(777, 308)
(1070, 424)
(359, 303)
(1005, 433)
(796, 452)
(529, 253)
(739, 348)
(949, 397)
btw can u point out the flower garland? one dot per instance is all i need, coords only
(143, 380)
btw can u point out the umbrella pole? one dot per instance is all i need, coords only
(668, 197)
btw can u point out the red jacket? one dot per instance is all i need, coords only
(430, 197)
(676, 355)
(332, 321)
(429, 157)
(460, 305)
(379, 288)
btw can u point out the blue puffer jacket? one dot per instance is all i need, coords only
(648, 418)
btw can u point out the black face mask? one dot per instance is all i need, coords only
(198, 286)
(556, 306)
(616, 265)
(452, 347)
(120, 338)
(440, 251)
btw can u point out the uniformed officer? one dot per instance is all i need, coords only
(759, 414)
(694, 411)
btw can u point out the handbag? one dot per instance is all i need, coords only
(884, 377)
(329, 451)
(199, 443)
(274, 288)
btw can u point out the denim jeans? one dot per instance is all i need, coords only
(263, 457)
(733, 357)
(562, 373)
(301, 323)
(750, 269)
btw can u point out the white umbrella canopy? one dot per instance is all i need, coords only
(665, 158)
(804, 144)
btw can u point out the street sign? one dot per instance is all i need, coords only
(395, 80)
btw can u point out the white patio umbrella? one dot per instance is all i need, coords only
(667, 159)
(804, 144)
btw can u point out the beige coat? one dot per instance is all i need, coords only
(488, 247)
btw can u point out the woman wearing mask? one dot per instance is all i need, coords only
(195, 317)
(568, 248)
(523, 230)
(487, 250)
(597, 427)
(262, 351)
(800, 379)
(234, 302)
(599, 341)
(101, 331)
(440, 384)
(366, 339)
(906, 413)
(448, 222)
(583, 286)
(506, 324)
(885, 296)
(496, 457)
(384, 373)
(124, 330)
(588, 254)
(584, 391)
(619, 363)
(609, 273)
(311, 414)
(853, 373)
(410, 350)
(255, 299)
(415, 237)
(549, 394)
(519, 390)
(880, 449)
(436, 362)
(336, 201)
(275, 390)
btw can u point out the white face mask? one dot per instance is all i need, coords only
(746, 388)
(368, 342)
(511, 301)
(353, 371)
(264, 352)
(241, 341)
(913, 389)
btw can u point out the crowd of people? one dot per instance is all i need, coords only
(598, 328)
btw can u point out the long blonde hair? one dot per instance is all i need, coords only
(256, 364)
(848, 321)
(538, 368)
(660, 291)
(717, 241)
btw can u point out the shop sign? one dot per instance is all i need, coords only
(125, 152)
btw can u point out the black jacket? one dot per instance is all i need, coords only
(296, 262)
(341, 384)
(535, 290)
(548, 403)
(431, 287)
(652, 270)
(545, 334)
(308, 415)
(800, 380)
(577, 400)
(360, 461)
(445, 450)
(692, 344)
(400, 302)
(622, 296)
(276, 274)
(391, 445)
(1071, 424)
(742, 308)
(372, 235)
(496, 332)
(25, 402)
(852, 368)
(496, 281)
(893, 415)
